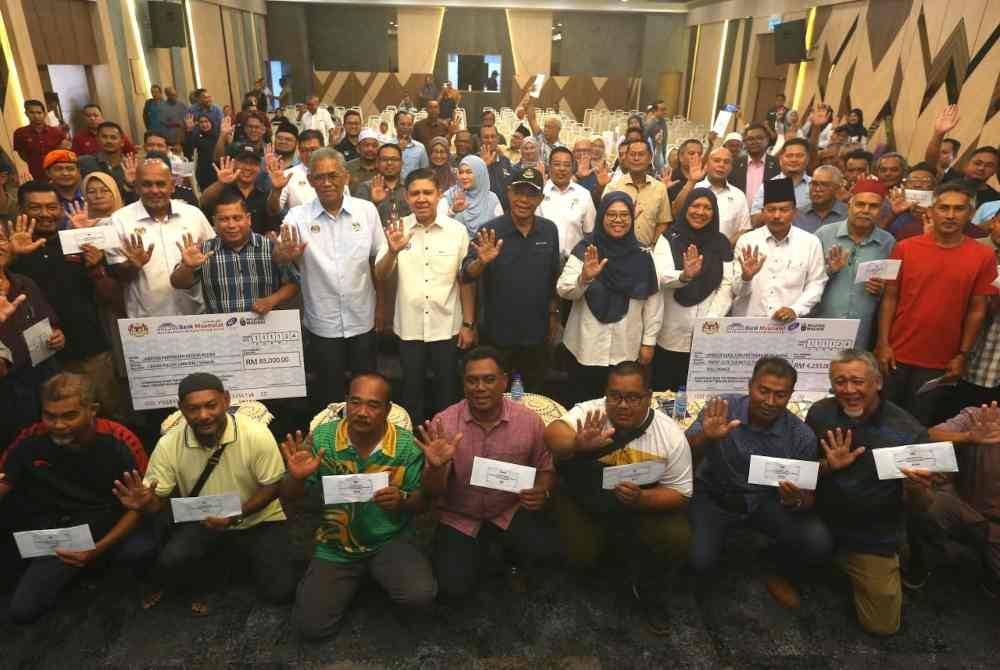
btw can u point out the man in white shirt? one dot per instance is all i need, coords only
(783, 268)
(314, 117)
(340, 236)
(734, 215)
(296, 190)
(566, 203)
(644, 520)
(794, 162)
(151, 232)
(425, 251)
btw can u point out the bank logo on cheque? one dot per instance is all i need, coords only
(138, 330)
(793, 326)
(710, 327)
(231, 322)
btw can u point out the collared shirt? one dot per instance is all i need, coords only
(338, 292)
(755, 177)
(725, 468)
(151, 293)
(500, 171)
(428, 304)
(426, 130)
(517, 287)
(353, 531)
(32, 144)
(651, 198)
(664, 441)
(571, 209)
(68, 287)
(842, 297)
(734, 214)
(359, 173)
(517, 438)
(802, 198)
(348, 148)
(256, 205)
(545, 147)
(602, 344)
(171, 117)
(85, 143)
(298, 190)
(983, 368)
(678, 320)
(397, 195)
(977, 481)
(414, 158)
(69, 203)
(864, 513)
(251, 460)
(809, 220)
(321, 121)
(794, 273)
(233, 280)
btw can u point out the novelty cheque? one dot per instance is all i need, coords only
(724, 351)
(255, 357)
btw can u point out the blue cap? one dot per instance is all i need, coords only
(986, 213)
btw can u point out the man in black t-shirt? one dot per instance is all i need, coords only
(60, 473)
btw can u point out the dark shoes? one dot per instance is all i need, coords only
(653, 605)
(783, 592)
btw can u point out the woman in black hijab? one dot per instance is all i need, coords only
(855, 126)
(694, 262)
(616, 309)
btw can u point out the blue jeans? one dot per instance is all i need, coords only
(802, 537)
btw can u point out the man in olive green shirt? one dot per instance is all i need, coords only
(359, 538)
(650, 195)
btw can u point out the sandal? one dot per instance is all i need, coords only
(151, 599)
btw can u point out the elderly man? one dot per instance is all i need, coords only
(865, 514)
(734, 142)
(516, 259)
(145, 270)
(239, 174)
(757, 166)
(547, 135)
(783, 273)
(566, 203)
(794, 161)
(432, 126)
(63, 470)
(727, 434)
(692, 170)
(414, 151)
(486, 425)
(734, 213)
(846, 245)
(649, 195)
(932, 312)
(644, 522)
(295, 189)
(823, 207)
(189, 462)
(365, 166)
(967, 508)
(356, 539)
(314, 117)
(425, 253)
(340, 237)
(463, 147)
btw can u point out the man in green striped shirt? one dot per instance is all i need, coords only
(359, 538)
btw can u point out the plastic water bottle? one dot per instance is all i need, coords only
(517, 388)
(680, 404)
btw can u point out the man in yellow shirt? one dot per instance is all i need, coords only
(213, 454)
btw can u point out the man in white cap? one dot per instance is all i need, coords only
(365, 166)
(734, 142)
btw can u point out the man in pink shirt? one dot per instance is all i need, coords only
(487, 425)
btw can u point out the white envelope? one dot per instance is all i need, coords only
(646, 472)
(34, 543)
(501, 475)
(933, 456)
(221, 506)
(919, 197)
(36, 338)
(353, 488)
(884, 269)
(102, 237)
(768, 471)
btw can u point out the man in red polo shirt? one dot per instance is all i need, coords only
(85, 142)
(36, 139)
(933, 311)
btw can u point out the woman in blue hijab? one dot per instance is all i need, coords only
(617, 310)
(471, 201)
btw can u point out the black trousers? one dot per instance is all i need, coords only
(458, 558)
(417, 357)
(330, 359)
(586, 382)
(670, 369)
(532, 361)
(902, 385)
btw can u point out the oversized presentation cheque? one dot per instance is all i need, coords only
(255, 357)
(724, 351)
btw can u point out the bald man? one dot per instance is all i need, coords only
(734, 212)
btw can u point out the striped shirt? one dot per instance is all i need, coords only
(233, 280)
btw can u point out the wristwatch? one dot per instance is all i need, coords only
(404, 495)
(469, 324)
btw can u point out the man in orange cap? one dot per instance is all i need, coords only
(63, 171)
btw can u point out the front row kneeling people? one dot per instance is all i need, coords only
(853, 515)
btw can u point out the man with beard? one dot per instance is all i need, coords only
(846, 244)
(214, 453)
(757, 166)
(365, 166)
(62, 471)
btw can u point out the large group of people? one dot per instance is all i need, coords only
(535, 260)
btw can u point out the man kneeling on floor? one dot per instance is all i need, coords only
(213, 454)
(360, 538)
(646, 523)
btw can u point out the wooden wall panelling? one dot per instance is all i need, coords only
(61, 31)
(706, 69)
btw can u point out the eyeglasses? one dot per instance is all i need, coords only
(611, 216)
(630, 399)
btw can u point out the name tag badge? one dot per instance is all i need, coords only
(314, 228)
(441, 252)
(355, 226)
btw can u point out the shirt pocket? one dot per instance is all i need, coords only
(443, 261)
